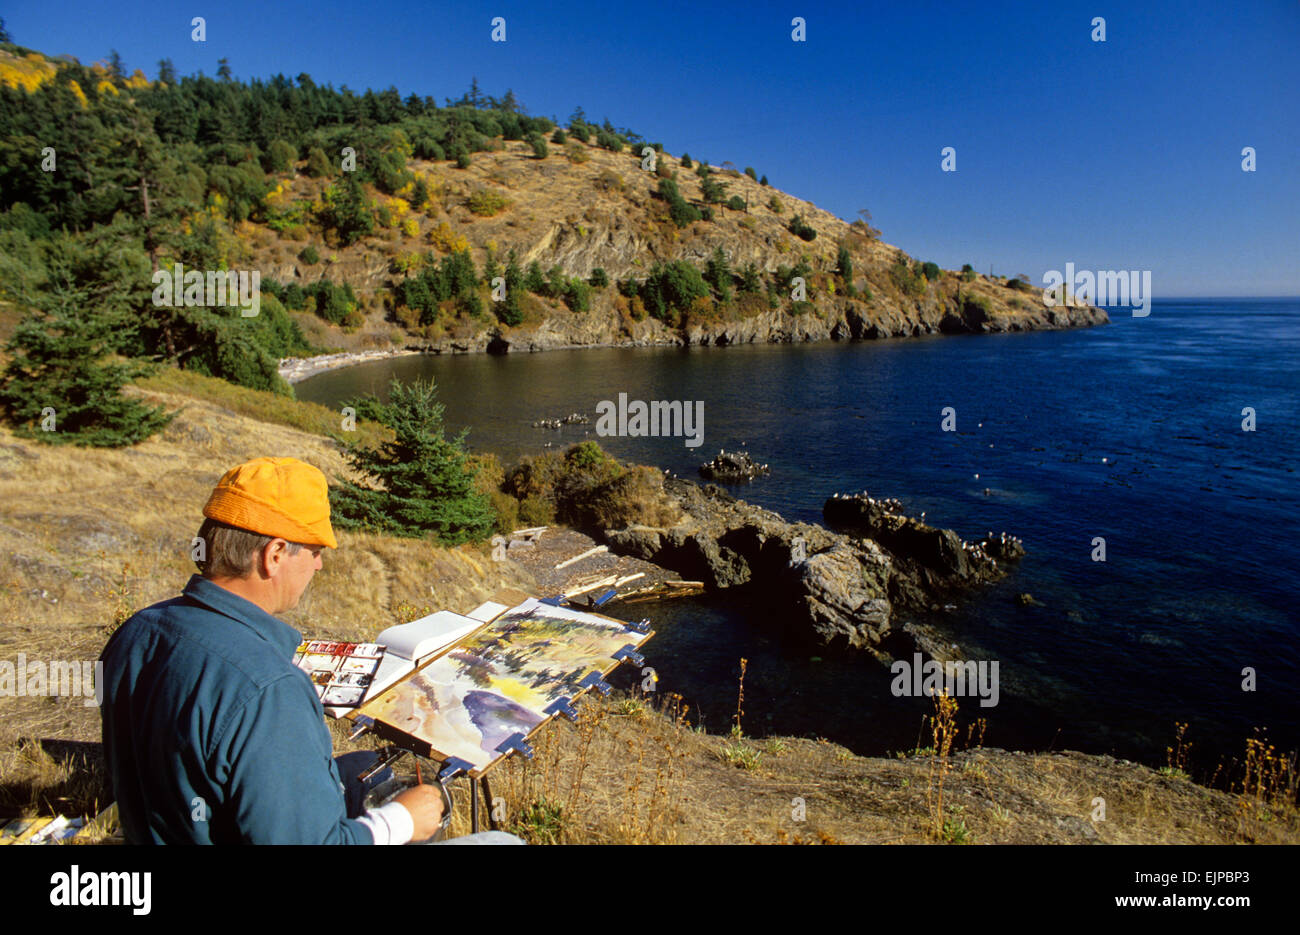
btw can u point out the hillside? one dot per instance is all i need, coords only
(401, 249)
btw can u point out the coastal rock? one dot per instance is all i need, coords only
(733, 467)
(842, 593)
(833, 587)
(932, 563)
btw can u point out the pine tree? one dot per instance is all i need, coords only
(428, 485)
(59, 385)
(717, 273)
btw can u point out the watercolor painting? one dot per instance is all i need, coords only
(501, 682)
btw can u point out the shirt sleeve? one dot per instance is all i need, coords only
(390, 824)
(280, 782)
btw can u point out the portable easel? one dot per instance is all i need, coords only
(401, 742)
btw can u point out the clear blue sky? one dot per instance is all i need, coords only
(1117, 155)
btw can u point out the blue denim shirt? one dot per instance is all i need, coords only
(212, 735)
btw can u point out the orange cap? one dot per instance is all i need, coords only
(281, 497)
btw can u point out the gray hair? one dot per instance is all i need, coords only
(230, 550)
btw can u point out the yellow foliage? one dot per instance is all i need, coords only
(137, 80)
(26, 73)
(411, 227)
(79, 94)
(106, 86)
(397, 208)
(443, 238)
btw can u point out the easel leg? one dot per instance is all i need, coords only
(473, 805)
(487, 800)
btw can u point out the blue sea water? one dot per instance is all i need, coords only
(1131, 432)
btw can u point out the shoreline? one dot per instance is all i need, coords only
(297, 369)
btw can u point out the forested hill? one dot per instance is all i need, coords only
(379, 219)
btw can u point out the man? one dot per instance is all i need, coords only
(210, 732)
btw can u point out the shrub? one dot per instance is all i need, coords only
(559, 136)
(670, 290)
(736, 203)
(599, 278)
(686, 161)
(318, 164)
(931, 271)
(749, 170)
(280, 156)
(309, 255)
(485, 202)
(576, 153)
(801, 229)
(462, 160)
(540, 150)
(578, 295)
(775, 204)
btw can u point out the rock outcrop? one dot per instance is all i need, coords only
(733, 467)
(844, 587)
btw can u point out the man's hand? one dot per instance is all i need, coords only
(425, 805)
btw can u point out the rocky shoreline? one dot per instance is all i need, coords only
(844, 321)
(851, 585)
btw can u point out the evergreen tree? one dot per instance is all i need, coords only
(59, 374)
(844, 264)
(686, 161)
(428, 484)
(717, 273)
(347, 209)
(166, 71)
(535, 281)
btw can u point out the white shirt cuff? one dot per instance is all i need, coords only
(389, 824)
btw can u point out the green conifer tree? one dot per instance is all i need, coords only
(428, 484)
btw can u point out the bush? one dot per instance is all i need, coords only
(486, 203)
(462, 160)
(318, 164)
(559, 136)
(670, 290)
(907, 278)
(686, 161)
(576, 153)
(599, 278)
(749, 170)
(801, 229)
(736, 203)
(931, 271)
(578, 295)
(309, 255)
(280, 156)
(774, 203)
(540, 150)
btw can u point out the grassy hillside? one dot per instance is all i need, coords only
(89, 536)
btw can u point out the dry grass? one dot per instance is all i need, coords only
(89, 536)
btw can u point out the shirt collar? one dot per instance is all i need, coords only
(276, 632)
